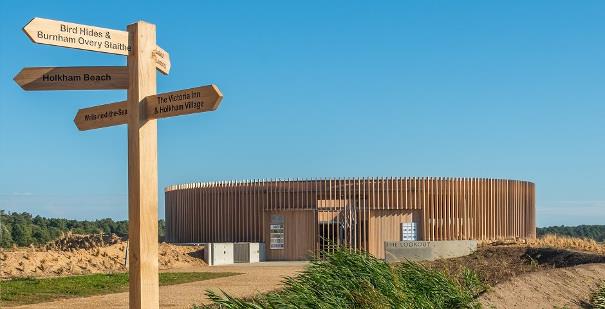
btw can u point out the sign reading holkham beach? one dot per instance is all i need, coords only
(140, 111)
(73, 78)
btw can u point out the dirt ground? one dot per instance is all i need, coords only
(84, 256)
(520, 275)
(497, 264)
(568, 287)
(532, 277)
(255, 278)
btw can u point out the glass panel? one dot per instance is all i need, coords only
(276, 233)
(408, 231)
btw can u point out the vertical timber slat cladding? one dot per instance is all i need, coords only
(359, 213)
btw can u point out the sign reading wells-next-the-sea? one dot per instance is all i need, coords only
(140, 111)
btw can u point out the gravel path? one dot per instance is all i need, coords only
(255, 278)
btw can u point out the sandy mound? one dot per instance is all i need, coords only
(497, 264)
(554, 288)
(78, 254)
(527, 276)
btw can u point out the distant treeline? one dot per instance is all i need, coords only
(596, 232)
(23, 229)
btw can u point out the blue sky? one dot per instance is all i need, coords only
(509, 89)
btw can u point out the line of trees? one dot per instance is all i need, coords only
(23, 229)
(596, 232)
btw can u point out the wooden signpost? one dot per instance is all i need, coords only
(140, 111)
(162, 60)
(102, 116)
(183, 102)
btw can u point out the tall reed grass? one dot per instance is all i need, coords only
(598, 298)
(345, 279)
(567, 242)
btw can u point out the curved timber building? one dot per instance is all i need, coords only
(298, 218)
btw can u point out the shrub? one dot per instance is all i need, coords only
(346, 279)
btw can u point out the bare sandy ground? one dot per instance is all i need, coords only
(26, 262)
(569, 287)
(255, 278)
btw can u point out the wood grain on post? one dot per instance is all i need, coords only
(142, 172)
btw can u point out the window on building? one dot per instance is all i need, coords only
(276, 232)
(409, 231)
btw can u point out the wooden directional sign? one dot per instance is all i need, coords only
(182, 102)
(102, 116)
(140, 112)
(60, 33)
(162, 60)
(73, 78)
(64, 34)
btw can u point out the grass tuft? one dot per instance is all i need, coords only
(598, 298)
(346, 279)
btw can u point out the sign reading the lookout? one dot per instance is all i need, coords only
(140, 111)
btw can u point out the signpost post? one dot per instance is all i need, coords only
(142, 172)
(140, 111)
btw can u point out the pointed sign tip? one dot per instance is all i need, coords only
(219, 94)
(16, 78)
(19, 80)
(28, 26)
(218, 91)
(76, 121)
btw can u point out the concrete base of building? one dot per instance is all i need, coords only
(400, 251)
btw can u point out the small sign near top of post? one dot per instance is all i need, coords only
(139, 111)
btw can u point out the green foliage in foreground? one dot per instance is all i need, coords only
(32, 290)
(598, 298)
(355, 280)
